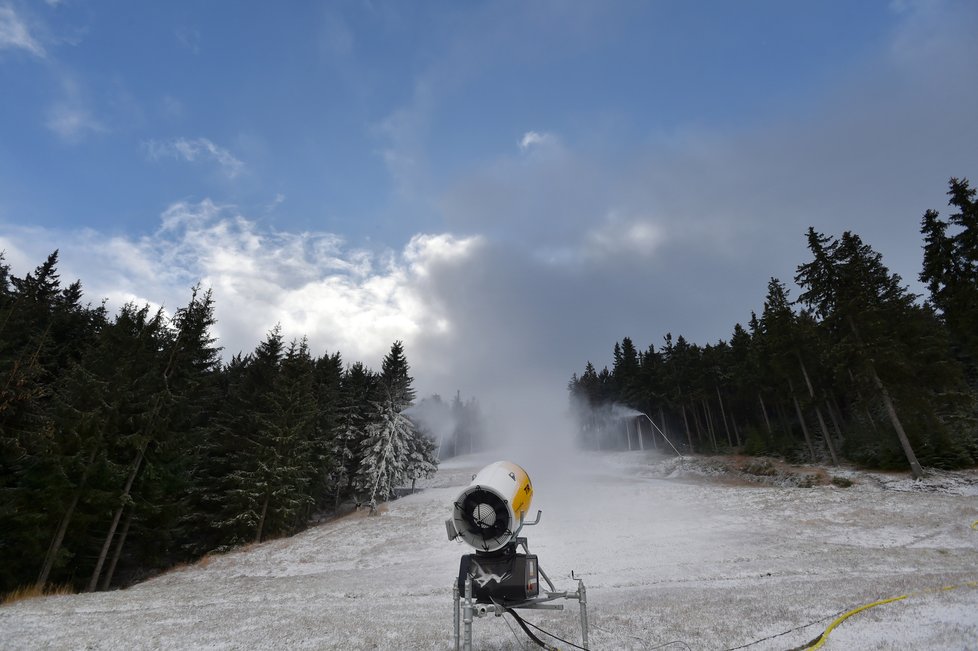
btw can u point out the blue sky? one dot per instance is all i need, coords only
(495, 183)
(309, 103)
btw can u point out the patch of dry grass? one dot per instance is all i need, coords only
(32, 592)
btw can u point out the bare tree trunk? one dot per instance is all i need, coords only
(638, 432)
(723, 414)
(702, 433)
(915, 468)
(818, 412)
(107, 581)
(261, 518)
(708, 415)
(689, 433)
(801, 419)
(828, 436)
(662, 417)
(835, 421)
(783, 417)
(115, 519)
(767, 421)
(862, 401)
(59, 536)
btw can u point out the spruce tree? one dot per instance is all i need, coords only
(328, 468)
(393, 451)
(862, 304)
(950, 271)
(247, 447)
(357, 395)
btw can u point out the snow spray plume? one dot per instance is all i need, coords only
(604, 426)
(434, 417)
(532, 425)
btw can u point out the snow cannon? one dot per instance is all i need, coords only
(498, 578)
(490, 511)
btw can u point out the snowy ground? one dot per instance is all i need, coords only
(689, 553)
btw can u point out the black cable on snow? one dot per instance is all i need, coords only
(523, 624)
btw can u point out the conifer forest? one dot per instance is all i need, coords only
(128, 444)
(856, 367)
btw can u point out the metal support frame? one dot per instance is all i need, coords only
(466, 610)
(456, 614)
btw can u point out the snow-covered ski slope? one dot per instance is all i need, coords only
(664, 557)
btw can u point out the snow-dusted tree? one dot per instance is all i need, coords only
(385, 453)
(357, 391)
(422, 458)
(393, 450)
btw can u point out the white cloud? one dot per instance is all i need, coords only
(188, 37)
(195, 149)
(616, 236)
(424, 250)
(14, 33)
(344, 299)
(71, 117)
(72, 121)
(532, 139)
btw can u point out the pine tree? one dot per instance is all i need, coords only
(422, 456)
(160, 531)
(392, 451)
(626, 374)
(247, 447)
(290, 432)
(861, 303)
(135, 412)
(950, 270)
(385, 453)
(328, 466)
(358, 394)
(44, 330)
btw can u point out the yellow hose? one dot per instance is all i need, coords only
(820, 640)
(824, 636)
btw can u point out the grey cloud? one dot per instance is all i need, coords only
(723, 212)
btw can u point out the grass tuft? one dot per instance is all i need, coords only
(33, 591)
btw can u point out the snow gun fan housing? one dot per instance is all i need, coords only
(489, 512)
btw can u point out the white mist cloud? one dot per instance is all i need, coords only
(15, 35)
(72, 122)
(188, 37)
(71, 118)
(194, 149)
(345, 299)
(617, 235)
(532, 139)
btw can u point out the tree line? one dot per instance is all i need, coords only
(459, 426)
(857, 367)
(127, 445)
